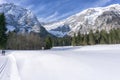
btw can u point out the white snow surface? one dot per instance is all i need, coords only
(99, 62)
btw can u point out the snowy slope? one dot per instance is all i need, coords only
(20, 19)
(93, 18)
(100, 62)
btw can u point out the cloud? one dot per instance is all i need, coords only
(101, 2)
(56, 17)
(30, 6)
(3, 1)
(38, 9)
(53, 16)
(46, 12)
(50, 18)
(64, 15)
(17, 2)
(54, 10)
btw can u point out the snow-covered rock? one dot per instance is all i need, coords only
(20, 19)
(93, 18)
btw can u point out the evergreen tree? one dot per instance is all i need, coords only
(118, 35)
(103, 37)
(112, 36)
(80, 39)
(48, 42)
(3, 36)
(91, 38)
(97, 37)
(74, 40)
(85, 39)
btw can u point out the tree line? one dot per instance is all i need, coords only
(99, 37)
(93, 38)
(24, 41)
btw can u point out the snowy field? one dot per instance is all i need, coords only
(100, 62)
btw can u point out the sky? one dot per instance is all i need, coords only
(55, 10)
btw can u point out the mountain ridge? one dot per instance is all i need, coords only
(21, 20)
(89, 19)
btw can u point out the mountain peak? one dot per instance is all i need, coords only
(90, 19)
(20, 19)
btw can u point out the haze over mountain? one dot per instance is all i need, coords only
(90, 19)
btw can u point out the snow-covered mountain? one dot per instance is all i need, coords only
(93, 18)
(20, 19)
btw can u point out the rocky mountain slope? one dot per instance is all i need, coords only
(90, 19)
(21, 20)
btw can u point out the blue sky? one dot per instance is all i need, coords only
(54, 10)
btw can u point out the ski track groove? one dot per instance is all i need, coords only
(3, 67)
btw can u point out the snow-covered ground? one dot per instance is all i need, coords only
(100, 62)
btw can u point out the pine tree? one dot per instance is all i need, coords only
(85, 39)
(118, 32)
(3, 35)
(48, 42)
(97, 37)
(74, 40)
(91, 38)
(113, 36)
(116, 36)
(104, 37)
(80, 39)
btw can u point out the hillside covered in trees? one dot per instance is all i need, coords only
(92, 38)
(99, 37)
